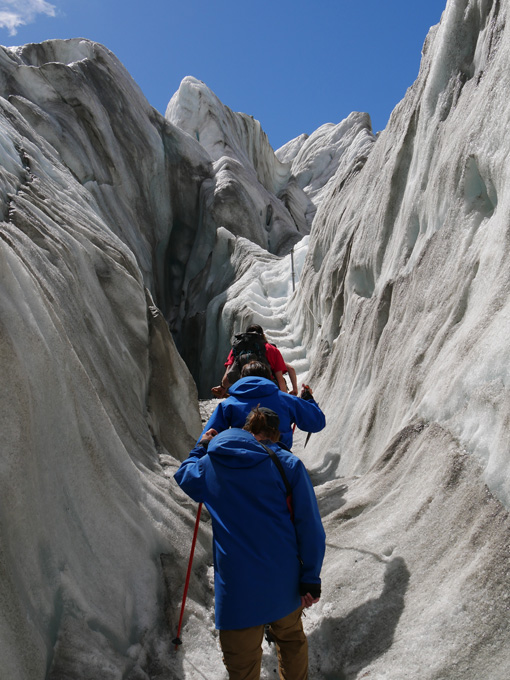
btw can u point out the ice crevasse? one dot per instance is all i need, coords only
(134, 245)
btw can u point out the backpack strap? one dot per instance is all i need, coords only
(288, 487)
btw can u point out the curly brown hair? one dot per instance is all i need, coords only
(263, 421)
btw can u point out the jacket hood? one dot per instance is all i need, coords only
(236, 448)
(252, 387)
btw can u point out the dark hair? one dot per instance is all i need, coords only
(255, 328)
(263, 421)
(256, 368)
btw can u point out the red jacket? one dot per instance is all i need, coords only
(273, 355)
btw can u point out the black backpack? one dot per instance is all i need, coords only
(249, 346)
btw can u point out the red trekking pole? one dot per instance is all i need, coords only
(177, 641)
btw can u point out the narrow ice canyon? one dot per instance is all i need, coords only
(133, 245)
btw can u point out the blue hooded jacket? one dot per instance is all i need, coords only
(260, 556)
(249, 392)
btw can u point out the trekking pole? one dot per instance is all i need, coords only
(292, 268)
(177, 641)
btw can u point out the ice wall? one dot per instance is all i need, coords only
(92, 387)
(316, 159)
(405, 311)
(410, 284)
(252, 189)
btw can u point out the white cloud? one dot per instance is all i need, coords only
(14, 13)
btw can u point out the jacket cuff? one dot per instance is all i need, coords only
(198, 451)
(313, 588)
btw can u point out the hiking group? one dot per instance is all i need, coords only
(268, 538)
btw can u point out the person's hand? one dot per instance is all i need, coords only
(306, 392)
(207, 436)
(294, 392)
(307, 600)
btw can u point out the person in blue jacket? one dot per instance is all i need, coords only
(266, 565)
(256, 387)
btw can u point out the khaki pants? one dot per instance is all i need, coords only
(242, 649)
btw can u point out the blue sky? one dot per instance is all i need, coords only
(292, 64)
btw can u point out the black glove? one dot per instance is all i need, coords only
(313, 588)
(306, 394)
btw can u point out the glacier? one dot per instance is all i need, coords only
(133, 245)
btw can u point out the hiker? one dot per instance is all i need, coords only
(256, 387)
(253, 344)
(266, 565)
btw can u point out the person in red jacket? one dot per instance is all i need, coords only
(274, 359)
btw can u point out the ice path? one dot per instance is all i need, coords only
(269, 304)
